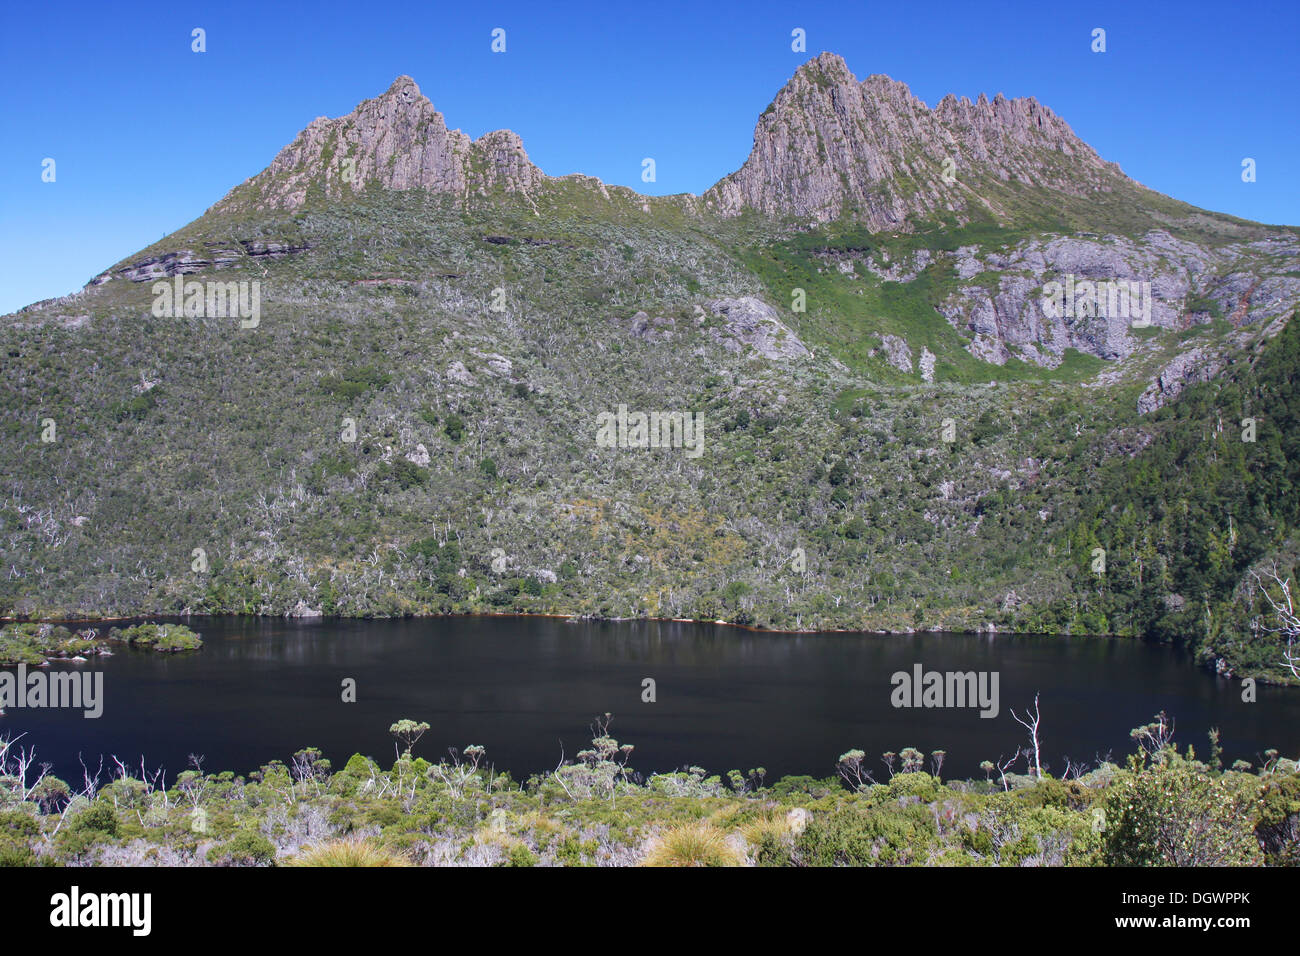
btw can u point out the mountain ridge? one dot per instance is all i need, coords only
(898, 159)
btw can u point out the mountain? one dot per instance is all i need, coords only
(830, 147)
(396, 141)
(408, 381)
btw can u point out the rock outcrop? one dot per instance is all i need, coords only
(1006, 316)
(897, 352)
(830, 146)
(188, 262)
(1196, 365)
(399, 141)
(751, 322)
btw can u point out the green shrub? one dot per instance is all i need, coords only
(520, 855)
(15, 853)
(98, 817)
(851, 836)
(158, 637)
(1278, 829)
(246, 848)
(1175, 814)
(454, 427)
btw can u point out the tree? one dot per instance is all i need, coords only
(409, 732)
(850, 768)
(937, 758)
(1030, 723)
(913, 759)
(1287, 621)
(1156, 737)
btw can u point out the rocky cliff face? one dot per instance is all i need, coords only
(399, 141)
(830, 146)
(1246, 283)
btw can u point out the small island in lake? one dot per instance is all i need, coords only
(35, 643)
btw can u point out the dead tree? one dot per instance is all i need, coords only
(1030, 723)
(1288, 622)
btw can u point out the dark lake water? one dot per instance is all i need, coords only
(526, 687)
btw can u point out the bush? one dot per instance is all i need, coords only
(454, 427)
(158, 637)
(1278, 829)
(851, 836)
(97, 818)
(246, 848)
(520, 855)
(1175, 814)
(915, 784)
(15, 853)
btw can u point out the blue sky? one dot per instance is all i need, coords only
(147, 134)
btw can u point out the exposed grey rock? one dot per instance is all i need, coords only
(187, 262)
(1197, 365)
(905, 271)
(497, 364)
(927, 365)
(1012, 320)
(897, 353)
(303, 610)
(968, 265)
(457, 372)
(656, 329)
(752, 322)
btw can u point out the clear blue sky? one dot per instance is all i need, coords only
(147, 134)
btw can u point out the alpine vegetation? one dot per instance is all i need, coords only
(922, 356)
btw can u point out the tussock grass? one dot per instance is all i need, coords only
(773, 825)
(350, 852)
(693, 844)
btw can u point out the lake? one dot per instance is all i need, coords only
(528, 688)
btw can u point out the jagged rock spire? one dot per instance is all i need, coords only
(399, 141)
(831, 146)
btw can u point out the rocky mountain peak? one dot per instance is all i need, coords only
(830, 146)
(397, 140)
